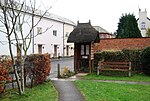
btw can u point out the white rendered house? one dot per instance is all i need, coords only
(51, 37)
(68, 47)
(54, 39)
(143, 22)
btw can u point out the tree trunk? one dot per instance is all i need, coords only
(14, 67)
(22, 76)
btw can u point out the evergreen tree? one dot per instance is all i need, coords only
(128, 27)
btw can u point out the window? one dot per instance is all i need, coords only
(85, 49)
(67, 34)
(82, 49)
(18, 27)
(54, 32)
(143, 26)
(39, 30)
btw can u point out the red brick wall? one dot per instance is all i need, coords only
(115, 44)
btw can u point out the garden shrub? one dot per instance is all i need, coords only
(67, 73)
(37, 67)
(145, 60)
(5, 66)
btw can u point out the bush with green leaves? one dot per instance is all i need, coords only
(145, 60)
(118, 56)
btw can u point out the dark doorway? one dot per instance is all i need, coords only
(55, 50)
(67, 50)
(40, 49)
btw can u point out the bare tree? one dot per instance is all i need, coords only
(18, 14)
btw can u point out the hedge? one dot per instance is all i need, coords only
(5, 67)
(145, 60)
(117, 56)
(37, 68)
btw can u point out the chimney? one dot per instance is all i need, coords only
(78, 22)
(89, 21)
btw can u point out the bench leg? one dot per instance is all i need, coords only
(97, 71)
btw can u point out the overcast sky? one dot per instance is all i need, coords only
(104, 13)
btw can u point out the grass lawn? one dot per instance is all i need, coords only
(44, 92)
(98, 91)
(134, 77)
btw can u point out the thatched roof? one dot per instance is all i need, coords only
(84, 32)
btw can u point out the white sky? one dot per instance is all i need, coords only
(104, 13)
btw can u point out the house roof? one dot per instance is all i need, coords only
(55, 17)
(147, 19)
(84, 32)
(59, 18)
(47, 15)
(100, 29)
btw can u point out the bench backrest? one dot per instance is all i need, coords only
(115, 65)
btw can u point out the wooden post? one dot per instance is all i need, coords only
(58, 70)
(99, 64)
(129, 69)
(89, 65)
(92, 62)
(75, 58)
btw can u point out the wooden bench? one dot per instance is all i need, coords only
(114, 66)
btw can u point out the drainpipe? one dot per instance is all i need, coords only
(33, 32)
(63, 40)
(33, 27)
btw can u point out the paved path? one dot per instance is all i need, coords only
(67, 91)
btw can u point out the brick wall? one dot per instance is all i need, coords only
(115, 44)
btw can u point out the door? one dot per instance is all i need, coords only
(84, 57)
(40, 49)
(55, 50)
(67, 50)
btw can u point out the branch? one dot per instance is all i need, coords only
(34, 35)
(47, 29)
(15, 19)
(3, 31)
(2, 42)
(5, 20)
